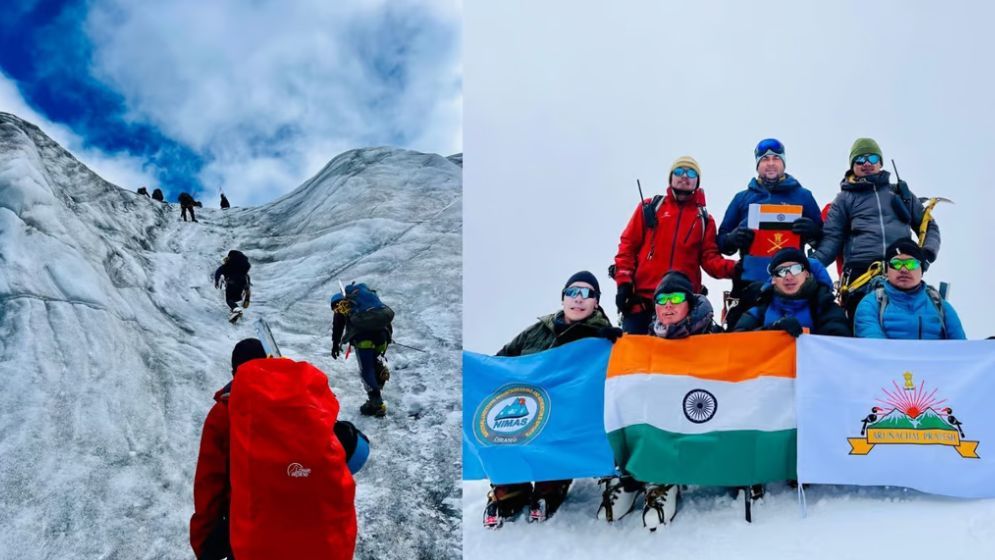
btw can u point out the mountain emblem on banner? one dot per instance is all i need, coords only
(911, 415)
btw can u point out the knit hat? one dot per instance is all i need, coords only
(788, 254)
(772, 146)
(905, 246)
(684, 161)
(675, 281)
(245, 350)
(863, 146)
(585, 276)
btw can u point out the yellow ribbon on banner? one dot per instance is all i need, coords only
(881, 436)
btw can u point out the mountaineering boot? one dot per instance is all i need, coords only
(756, 492)
(661, 505)
(374, 405)
(383, 373)
(505, 502)
(492, 514)
(546, 499)
(618, 498)
(236, 312)
(373, 408)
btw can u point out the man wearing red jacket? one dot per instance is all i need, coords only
(210, 523)
(682, 238)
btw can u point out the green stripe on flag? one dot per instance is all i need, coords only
(729, 458)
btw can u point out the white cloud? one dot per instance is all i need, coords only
(121, 169)
(257, 87)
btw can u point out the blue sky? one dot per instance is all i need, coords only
(249, 98)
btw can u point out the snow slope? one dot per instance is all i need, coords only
(841, 523)
(113, 342)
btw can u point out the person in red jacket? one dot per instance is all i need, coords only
(683, 239)
(209, 525)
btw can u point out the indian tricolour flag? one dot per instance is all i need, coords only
(712, 409)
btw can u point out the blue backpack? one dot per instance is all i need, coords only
(366, 311)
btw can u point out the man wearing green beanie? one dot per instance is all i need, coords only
(867, 215)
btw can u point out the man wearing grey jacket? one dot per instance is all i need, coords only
(867, 215)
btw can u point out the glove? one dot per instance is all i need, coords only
(610, 333)
(623, 296)
(742, 238)
(807, 229)
(217, 285)
(789, 325)
(336, 350)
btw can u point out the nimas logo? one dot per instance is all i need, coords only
(514, 414)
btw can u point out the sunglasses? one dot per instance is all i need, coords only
(907, 264)
(793, 269)
(577, 291)
(682, 171)
(675, 298)
(770, 145)
(872, 159)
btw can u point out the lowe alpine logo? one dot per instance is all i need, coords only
(514, 414)
(297, 470)
(911, 415)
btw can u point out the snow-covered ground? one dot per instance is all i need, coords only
(841, 523)
(113, 341)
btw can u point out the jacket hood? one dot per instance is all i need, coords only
(787, 184)
(698, 198)
(597, 320)
(851, 182)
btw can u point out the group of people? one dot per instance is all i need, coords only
(187, 202)
(288, 413)
(670, 238)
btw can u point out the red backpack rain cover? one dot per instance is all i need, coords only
(292, 495)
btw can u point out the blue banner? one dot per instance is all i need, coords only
(536, 417)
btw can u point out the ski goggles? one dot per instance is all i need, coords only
(682, 171)
(581, 292)
(872, 159)
(907, 264)
(675, 298)
(767, 147)
(792, 269)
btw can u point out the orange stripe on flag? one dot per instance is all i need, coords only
(720, 357)
(781, 209)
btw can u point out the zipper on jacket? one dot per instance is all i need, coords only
(677, 232)
(691, 230)
(884, 241)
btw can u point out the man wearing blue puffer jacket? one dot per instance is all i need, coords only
(904, 306)
(798, 296)
(771, 186)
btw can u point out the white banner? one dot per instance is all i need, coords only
(918, 414)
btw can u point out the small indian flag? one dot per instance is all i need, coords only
(772, 216)
(712, 409)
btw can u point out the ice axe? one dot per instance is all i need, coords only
(348, 347)
(927, 215)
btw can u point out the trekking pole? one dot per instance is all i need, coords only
(406, 346)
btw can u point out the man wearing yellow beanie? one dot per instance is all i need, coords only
(668, 232)
(868, 214)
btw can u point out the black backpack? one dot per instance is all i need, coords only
(157, 195)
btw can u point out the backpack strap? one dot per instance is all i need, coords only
(937, 299)
(882, 298)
